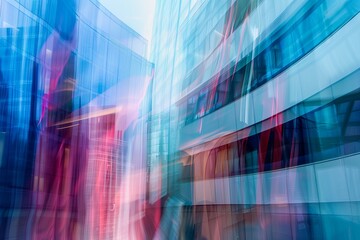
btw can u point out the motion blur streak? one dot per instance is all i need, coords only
(243, 124)
(73, 85)
(251, 109)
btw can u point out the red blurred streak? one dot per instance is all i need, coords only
(62, 165)
(59, 52)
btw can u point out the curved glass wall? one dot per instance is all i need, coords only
(280, 51)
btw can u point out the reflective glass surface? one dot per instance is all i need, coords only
(244, 122)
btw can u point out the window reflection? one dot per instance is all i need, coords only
(325, 133)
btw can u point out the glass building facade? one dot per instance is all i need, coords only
(72, 83)
(244, 124)
(256, 124)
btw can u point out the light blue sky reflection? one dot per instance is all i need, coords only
(138, 14)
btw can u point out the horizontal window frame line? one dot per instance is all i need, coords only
(304, 160)
(349, 77)
(273, 28)
(285, 67)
